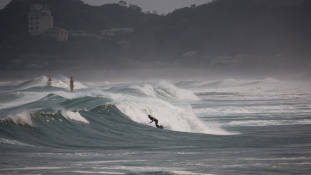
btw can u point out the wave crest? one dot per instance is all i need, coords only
(23, 118)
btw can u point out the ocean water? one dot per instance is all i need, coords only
(211, 126)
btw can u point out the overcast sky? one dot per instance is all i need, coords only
(162, 6)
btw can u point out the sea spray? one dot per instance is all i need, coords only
(168, 88)
(146, 90)
(164, 88)
(172, 114)
(176, 118)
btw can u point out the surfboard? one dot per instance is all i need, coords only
(161, 127)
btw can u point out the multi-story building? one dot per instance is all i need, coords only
(39, 19)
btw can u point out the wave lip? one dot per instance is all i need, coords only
(25, 118)
(74, 116)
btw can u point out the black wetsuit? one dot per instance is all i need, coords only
(155, 120)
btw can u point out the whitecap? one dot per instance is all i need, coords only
(74, 116)
(23, 118)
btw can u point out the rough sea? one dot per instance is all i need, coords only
(212, 125)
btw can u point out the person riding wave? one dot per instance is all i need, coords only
(155, 120)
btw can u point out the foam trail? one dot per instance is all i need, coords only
(268, 122)
(13, 142)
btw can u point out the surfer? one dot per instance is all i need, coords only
(155, 120)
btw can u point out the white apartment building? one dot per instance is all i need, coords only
(39, 19)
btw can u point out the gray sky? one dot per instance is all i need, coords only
(162, 6)
(4, 3)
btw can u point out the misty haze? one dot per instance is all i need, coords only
(112, 87)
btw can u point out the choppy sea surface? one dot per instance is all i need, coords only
(219, 126)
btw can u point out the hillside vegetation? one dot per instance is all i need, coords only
(226, 27)
(71, 15)
(230, 27)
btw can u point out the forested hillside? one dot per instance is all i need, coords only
(230, 27)
(15, 39)
(73, 15)
(226, 27)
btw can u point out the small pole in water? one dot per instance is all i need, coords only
(50, 81)
(71, 84)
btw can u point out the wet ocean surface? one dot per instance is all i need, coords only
(218, 126)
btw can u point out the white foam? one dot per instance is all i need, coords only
(94, 172)
(13, 142)
(38, 82)
(29, 97)
(304, 163)
(169, 170)
(170, 90)
(10, 83)
(23, 118)
(140, 168)
(74, 116)
(268, 122)
(177, 118)
(164, 88)
(112, 161)
(146, 90)
(187, 173)
(277, 158)
(246, 110)
(33, 168)
(270, 80)
(25, 97)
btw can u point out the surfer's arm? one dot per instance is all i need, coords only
(151, 121)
